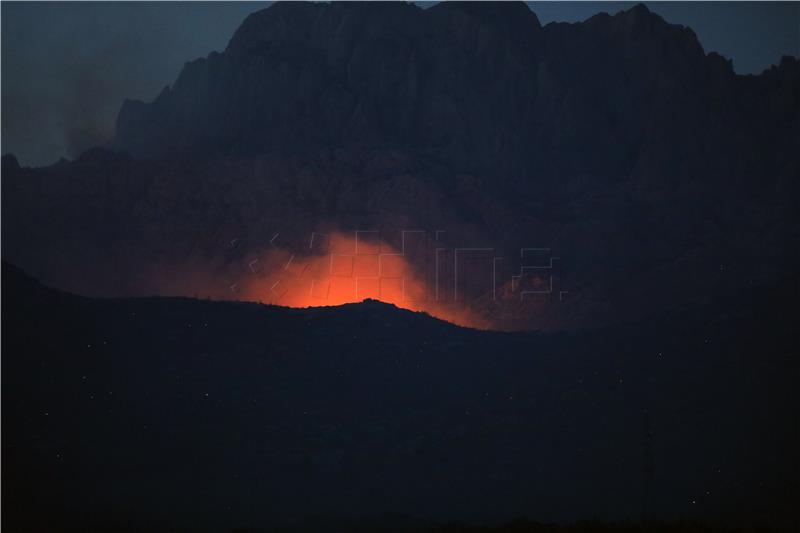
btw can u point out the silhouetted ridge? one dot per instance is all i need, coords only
(326, 410)
(15, 277)
(512, 20)
(10, 162)
(657, 174)
(367, 73)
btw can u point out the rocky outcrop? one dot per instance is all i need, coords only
(658, 175)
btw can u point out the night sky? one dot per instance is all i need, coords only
(56, 103)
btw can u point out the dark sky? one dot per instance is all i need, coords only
(66, 67)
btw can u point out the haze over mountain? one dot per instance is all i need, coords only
(658, 176)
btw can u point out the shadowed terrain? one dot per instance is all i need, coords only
(658, 176)
(145, 389)
(156, 413)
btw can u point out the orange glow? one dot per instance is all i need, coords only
(346, 270)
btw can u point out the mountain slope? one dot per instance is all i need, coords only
(657, 176)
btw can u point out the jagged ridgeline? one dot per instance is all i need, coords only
(658, 176)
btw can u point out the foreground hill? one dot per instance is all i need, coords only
(163, 413)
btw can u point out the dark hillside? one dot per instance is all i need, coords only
(158, 413)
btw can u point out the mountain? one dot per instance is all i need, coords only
(657, 176)
(181, 414)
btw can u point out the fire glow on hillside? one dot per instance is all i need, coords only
(341, 269)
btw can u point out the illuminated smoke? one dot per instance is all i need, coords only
(340, 269)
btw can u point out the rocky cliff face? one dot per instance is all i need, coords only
(656, 174)
(481, 88)
(455, 82)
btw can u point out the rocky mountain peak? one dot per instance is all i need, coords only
(590, 138)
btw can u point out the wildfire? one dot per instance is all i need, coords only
(341, 269)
